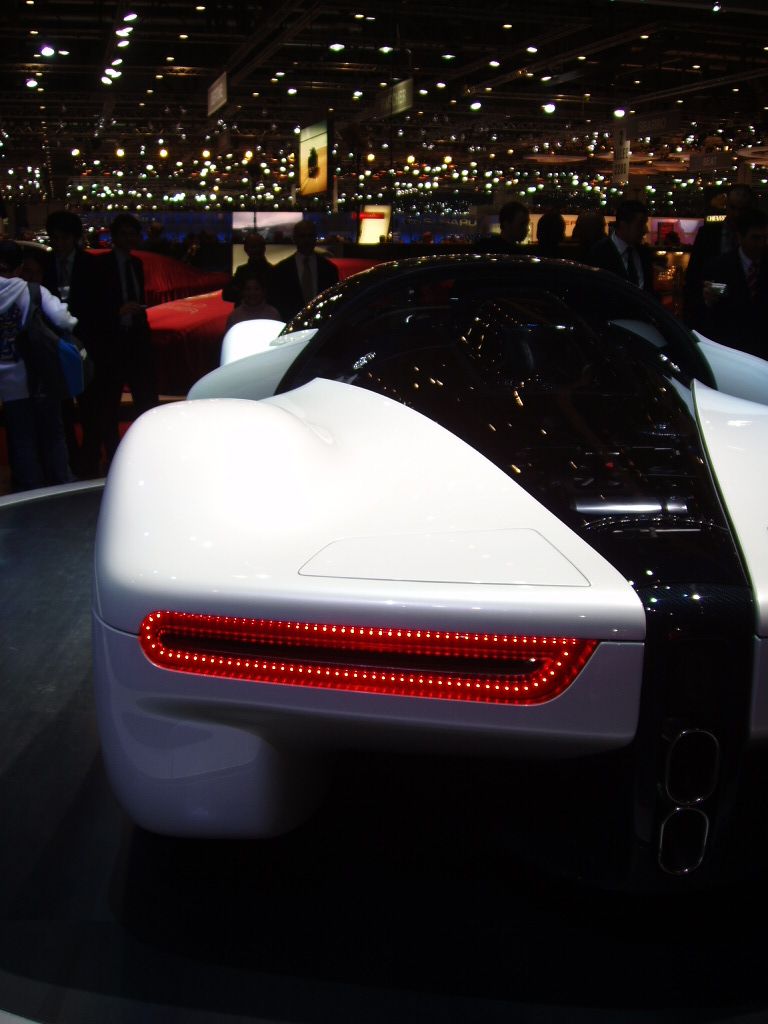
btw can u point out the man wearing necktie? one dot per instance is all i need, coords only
(736, 292)
(73, 274)
(623, 253)
(299, 278)
(127, 354)
(713, 240)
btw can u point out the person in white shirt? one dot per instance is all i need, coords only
(37, 450)
(253, 302)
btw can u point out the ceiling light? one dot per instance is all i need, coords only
(581, 58)
(336, 47)
(63, 53)
(123, 32)
(183, 36)
(507, 26)
(119, 151)
(124, 42)
(131, 16)
(546, 78)
(385, 49)
(619, 112)
(476, 105)
(449, 56)
(112, 73)
(117, 62)
(47, 51)
(292, 92)
(105, 80)
(31, 83)
(439, 85)
(531, 49)
(494, 64)
(549, 108)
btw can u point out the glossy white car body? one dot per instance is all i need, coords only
(451, 543)
(332, 508)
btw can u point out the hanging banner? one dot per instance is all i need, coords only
(314, 150)
(217, 94)
(395, 99)
(620, 173)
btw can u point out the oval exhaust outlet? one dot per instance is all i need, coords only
(692, 766)
(683, 840)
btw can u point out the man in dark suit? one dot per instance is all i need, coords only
(623, 252)
(126, 356)
(255, 249)
(296, 280)
(72, 275)
(513, 230)
(736, 297)
(713, 240)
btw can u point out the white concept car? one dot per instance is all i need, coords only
(499, 508)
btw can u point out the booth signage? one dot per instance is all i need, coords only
(217, 94)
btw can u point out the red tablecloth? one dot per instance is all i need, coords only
(186, 339)
(352, 265)
(187, 333)
(166, 279)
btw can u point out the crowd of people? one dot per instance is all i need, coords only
(725, 293)
(100, 301)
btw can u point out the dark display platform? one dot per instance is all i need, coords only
(397, 903)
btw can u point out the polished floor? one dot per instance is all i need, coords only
(395, 904)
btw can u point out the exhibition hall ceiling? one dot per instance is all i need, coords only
(96, 90)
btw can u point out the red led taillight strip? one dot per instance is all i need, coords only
(486, 667)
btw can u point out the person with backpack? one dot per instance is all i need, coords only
(37, 450)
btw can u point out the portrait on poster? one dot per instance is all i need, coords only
(313, 159)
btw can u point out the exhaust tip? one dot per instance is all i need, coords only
(692, 766)
(683, 840)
